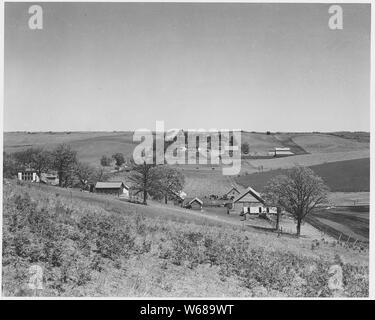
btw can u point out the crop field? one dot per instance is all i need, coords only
(327, 143)
(349, 223)
(99, 248)
(344, 176)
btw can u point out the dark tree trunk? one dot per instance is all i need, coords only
(60, 174)
(298, 227)
(144, 197)
(278, 218)
(165, 199)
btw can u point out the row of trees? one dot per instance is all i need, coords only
(119, 159)
(159, 182)
(62, 159)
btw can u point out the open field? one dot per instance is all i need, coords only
(90, 146)
(344, 176)
(349, 223)
(322, 147)
(103, 247)
(327, 143)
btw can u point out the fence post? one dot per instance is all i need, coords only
(347, 241)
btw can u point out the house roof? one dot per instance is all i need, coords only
(196, 200)
(249, 195)
(282, 149)
(233, 188)
(180, 194)
(110, 185)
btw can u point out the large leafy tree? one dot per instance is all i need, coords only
(85, 173)
(41, 161)
(64, 160)
(35, 158)
(299, 192)
(145, 179)
(171, 181)
(119, 159)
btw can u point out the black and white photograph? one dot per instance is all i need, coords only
(215, 150)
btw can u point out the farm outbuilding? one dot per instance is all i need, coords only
(50, 178)
(28, 175)
(195, 204)
(252, 202)
(232, 192)
(112, 187)
(280, 152)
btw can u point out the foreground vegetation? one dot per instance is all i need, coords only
(85, 250)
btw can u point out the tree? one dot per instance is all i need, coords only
(85, 173)
(145, 179)
(24, 159)
(41, 161)
(245, 148)
(35, 158)
(100, 175)
(105, 161)
(64, 160)
(171, 181)
(119, 159)
(9, 165)
(299, 192)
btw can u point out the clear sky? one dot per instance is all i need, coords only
(120, 66)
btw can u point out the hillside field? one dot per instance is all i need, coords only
(310, 148)
(105, 247)
(342, 176)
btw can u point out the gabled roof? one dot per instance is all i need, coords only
(110, 185)
(189, 201)
(251, 195)
(233, 188)
(196, 200)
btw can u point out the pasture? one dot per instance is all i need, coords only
(112, 248)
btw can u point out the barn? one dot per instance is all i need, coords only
(112, 187)
(251, 202)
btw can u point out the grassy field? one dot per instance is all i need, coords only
(344, 176)
(101, 248)
(90, 146)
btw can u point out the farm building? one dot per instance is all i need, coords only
(112, 187)
(233, 192)
(179, 197)
(28, 175)
(195, 203)
(280, 152)
(50, 178)
(251, 202)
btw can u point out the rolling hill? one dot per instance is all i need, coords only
(344, 176)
